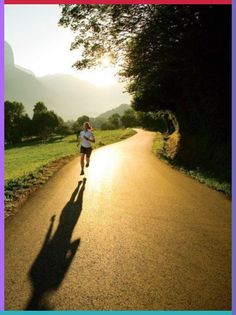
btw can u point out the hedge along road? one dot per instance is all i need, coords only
(133, 235)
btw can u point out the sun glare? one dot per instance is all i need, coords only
(106, 62)
(104, 164)
(100, 77)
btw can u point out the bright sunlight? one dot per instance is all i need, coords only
(102, 76)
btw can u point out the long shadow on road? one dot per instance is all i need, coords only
(54, 259)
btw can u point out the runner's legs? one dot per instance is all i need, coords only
(88, 154)
(82, 160)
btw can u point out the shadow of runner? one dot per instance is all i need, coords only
(57, 253)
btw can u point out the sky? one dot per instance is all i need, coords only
(43, 47)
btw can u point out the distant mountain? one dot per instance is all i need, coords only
(68, 96)
(83, 98)
(25, 70)
(118, 110)
(9, 56)
(23, 86)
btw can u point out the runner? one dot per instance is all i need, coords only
(86, 137)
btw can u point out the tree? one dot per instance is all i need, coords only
(174, 57)
(39, 108)
(103, 29)
(97, 122)
(114, 121)
(26, 126)
(180, 62)
(17, 122)
(81, 120)
(44, 122)
(78, 125)
(151, 121)
(129, 119)
(62, 128)
(107, 126)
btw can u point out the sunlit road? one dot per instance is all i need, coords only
(136, 235)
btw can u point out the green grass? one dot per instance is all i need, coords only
(204, 177)
(30, 157)
(158, 144)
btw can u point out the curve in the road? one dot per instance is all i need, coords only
(135, 235)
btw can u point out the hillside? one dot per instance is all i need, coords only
(65, 94)
(84, 98)
(118, 110)
(22, 85)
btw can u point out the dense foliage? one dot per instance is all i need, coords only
(17, 122)
(18, 125)
(175, 58)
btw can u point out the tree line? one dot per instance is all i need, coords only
(18, 125)
(130, 119)
(45, 123)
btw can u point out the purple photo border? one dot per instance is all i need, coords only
(233, 150)
(1, 155)
(2, 151)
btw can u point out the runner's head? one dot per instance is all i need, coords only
(87, 126)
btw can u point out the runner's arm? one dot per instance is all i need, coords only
(90, 139)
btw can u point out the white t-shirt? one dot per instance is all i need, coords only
(85, 143)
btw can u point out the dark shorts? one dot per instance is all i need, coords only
(86, 151)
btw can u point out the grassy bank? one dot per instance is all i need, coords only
(28, 157)
(205, 177)
(30, 164)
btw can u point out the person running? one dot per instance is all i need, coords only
(86, 137)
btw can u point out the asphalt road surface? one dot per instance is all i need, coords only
(134, 235)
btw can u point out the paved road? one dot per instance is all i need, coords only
(135, 235)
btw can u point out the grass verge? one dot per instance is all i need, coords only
(29, 165)
(204, 177)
